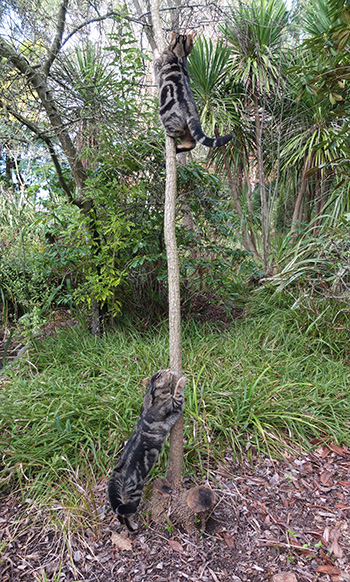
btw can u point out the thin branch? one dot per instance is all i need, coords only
(141, 19)
(111, 14)
(39, 84)
(41, 135)
(57, 42)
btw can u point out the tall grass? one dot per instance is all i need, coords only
(68, 407)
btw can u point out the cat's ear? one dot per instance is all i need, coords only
(172, 40)
(189, 43)
(146, 382)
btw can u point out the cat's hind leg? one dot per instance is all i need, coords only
(188, 143)
(125, 515)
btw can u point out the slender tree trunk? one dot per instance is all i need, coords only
(172, 257)
(262, 187)
(323, 187)
(298, 206)
(175, 465)
(247, 239)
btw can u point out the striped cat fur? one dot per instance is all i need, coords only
(178, 110)
(162, 405)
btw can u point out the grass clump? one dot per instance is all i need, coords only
(68, 408)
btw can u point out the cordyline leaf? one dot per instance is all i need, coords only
(345, 16)
(343, 37)
(311, 172)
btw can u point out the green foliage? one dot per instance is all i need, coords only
(45, 578)
(205, 234)
(320, 25)
(315, 272)
(25, 285)
(70, 405)
(254, 32)
(116, 256)
(214, 95)
(319, 262)
(328, 38)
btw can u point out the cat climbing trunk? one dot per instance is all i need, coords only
(175, 464)
(162, 406)
(178, 110)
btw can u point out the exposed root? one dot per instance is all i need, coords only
(187, 509)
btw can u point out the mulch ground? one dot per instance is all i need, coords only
(289, 517)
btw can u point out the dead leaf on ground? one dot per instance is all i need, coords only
(121, 542)
(214, 576)
(284, 577)
(325, 557)
(332, 570)
(337, 449)
(326, 477)
(326, 534)
(335, 548)
(176, 546)
(229, 541)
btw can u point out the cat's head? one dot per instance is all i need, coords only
(181, 44)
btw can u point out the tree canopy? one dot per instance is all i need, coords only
(82, 147)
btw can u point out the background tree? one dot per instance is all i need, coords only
(220, 100)
(64, 95)
(255, 40)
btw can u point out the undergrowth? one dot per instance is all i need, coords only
(69, 405)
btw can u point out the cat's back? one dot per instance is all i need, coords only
(168, 68)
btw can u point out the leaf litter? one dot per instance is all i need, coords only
(273, 521)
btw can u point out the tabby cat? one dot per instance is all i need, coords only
(162, 405)
(178, 110)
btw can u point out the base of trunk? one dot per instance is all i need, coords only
(188, 509)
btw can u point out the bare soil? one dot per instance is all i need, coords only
(290, 516)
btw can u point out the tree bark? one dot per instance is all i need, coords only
(298, 206)
(248, 240)
(175, 465)
(265, 225)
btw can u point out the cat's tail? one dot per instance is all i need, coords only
(113, 494)
(198, 134)
(126, 509)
